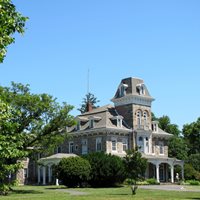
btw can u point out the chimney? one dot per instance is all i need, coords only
(89, 107)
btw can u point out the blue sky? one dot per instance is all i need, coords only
(158, 41)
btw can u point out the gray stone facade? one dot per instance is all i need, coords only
(124, 125)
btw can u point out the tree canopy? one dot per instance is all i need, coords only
(191, 134)
(29, 121)
(11, 21)
(88, 99)
(11, 145)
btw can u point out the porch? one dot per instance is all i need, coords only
(45, 166)
(162, 169)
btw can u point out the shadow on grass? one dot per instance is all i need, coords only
(27, 192)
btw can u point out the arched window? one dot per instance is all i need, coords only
(145, 115)
(139, 116)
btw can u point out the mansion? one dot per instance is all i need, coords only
(113, 129)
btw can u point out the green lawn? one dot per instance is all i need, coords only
(120, 193)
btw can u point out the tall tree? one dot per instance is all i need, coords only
(177, 148)
(31, 120)
(11, 146)
(191, 134)
(88, 100)
(11, 21)
(165, 124)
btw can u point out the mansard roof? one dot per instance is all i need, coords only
(130, 87)
(103, 117)
(161, 133)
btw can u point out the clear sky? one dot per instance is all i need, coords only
(158, 41)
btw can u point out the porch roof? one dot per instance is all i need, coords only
(163, 159)
(54, 159)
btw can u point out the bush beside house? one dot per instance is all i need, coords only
(73, 171)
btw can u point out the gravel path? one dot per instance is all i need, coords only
(170, 187)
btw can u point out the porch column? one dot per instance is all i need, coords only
(44, 175)
(38, 174)
(157, 173)
(172, 173)
(49, 173)
(182, 171)
(144, 144)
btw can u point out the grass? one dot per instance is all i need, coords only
(120, 193)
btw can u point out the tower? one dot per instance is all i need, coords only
(133, 101)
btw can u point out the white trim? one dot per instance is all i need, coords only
(71, 147)
(98, 141)
(113, 139)
(133, 99)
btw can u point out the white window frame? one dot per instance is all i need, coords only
(115, 142)
(84, 148)
(71, 147)
(91, 123)
(98, 144)
(119, 122)
(78, 126)
(124, 144)
(141, 144)
(161, 148)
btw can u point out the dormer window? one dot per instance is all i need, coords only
(91, 123)
(80, 122)
(117, 120)
(140, 89)
(78, 126)
(122, 89)
(155, 126)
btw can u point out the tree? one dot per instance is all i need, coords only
(177, 148)
(73, 171)
(32, 120)
(11, 22)
(88, 100)
(42, 119)
(165, 124)
(11, 146)
(194, 160)
(107, 170)
(191, 134)
(135, 166)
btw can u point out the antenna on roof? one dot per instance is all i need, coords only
(88, 81)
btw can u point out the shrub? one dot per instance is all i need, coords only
(193, 182)
(152, 181)
(73, 171)
(107, 170)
